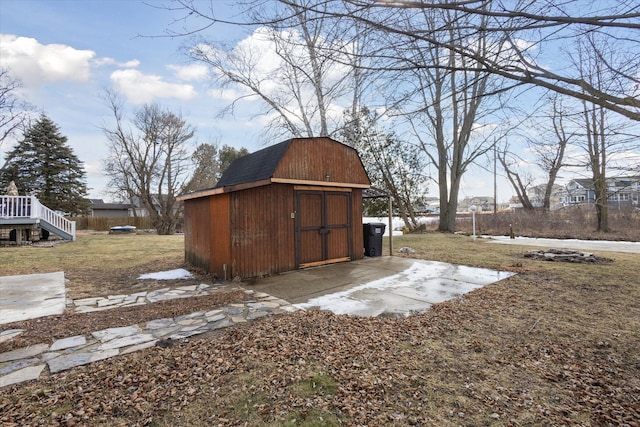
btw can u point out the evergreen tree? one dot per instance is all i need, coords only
(43, 164)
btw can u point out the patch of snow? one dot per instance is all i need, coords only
(179, 273)
(397, 223)
(417, 288)
(589, 245)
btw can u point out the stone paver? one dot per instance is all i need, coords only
(86, 305)
(28, 363)
(9, 334)
(68, 342)
(23, 353)
(21, 375)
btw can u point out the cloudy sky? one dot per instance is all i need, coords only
(67, 52)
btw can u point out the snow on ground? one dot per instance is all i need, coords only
(397, 223)
(179, 273)
(415, 289)
(589, 245)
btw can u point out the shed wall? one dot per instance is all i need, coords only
(197, 232)
(262, 231)
(220, 236)
(356, 224)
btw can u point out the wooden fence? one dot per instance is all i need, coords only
(98, 223)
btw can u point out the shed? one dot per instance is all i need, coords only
(292, 205)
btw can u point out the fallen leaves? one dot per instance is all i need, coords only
(48, 329)
(463, 362)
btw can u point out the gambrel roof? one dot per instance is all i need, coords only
(299, 161)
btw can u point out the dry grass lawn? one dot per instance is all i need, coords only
(557, 344)
(98, 263)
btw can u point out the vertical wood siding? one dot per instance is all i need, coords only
(356, 224)
(197, 232)
(219, 237)
(322, 159)
(262, 231)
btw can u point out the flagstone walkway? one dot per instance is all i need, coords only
(29, 363)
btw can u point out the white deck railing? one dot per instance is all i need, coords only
(17, 207)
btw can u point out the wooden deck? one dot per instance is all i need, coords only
(26, 215)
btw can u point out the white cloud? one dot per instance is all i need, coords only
(110, 61)
(35, 63)
(231, 94)
(483, 130)
(141, 88)
(258, 59)
(624, 160)
(190, 72)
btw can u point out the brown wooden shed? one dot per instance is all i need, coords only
(291, 205)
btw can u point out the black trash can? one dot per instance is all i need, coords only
(373, 233)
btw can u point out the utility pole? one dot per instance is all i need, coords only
(495, 184)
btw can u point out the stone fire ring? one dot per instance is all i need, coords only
(565, 255)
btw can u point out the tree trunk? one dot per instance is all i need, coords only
(602, 204)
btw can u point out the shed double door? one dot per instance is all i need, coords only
(323, 227)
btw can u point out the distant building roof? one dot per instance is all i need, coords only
(110, 206)
(584, 182)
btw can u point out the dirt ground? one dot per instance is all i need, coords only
(88, 283)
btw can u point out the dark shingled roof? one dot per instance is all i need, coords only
(254, 167)
(374, 193)
(585, 183)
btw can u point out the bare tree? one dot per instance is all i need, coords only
(391, 163)
(604, 133)
(551, 155)
(300, 91)
(548, 141)
(13, 110)
(531, 28)
(445, 105)
(597, 151)
(488, 47)
(150, 163)
(519, 182)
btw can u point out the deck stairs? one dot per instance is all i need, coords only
(24, 211)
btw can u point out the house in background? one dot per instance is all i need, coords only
(514, 203)
(99, 208)
(578, 191)
(428, 205)
(483, 204)
(621, 191)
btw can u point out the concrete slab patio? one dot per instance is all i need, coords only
(31, 296)
(375, 286)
